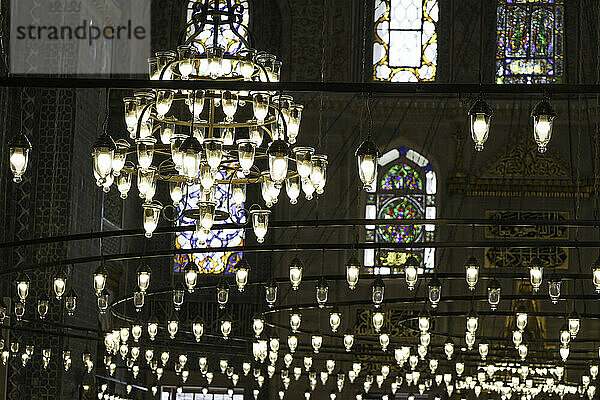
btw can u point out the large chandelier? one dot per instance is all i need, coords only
(210, 137)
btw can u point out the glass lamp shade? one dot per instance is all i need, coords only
(352, 272)
(222, 294)
(246, 153)
(318, 175)
(521, 320)
(303, 156)
(143, 277)
(60, 285)
(517, 337)
(146, 182)
(271, 67)
(292, 342)
(424, 321)
(151, 215)
(434, 291)
(206, 212)
(271, 290)
(173, 327)
(191, 151)
(145, 151)
(295, 320)
(152, 327)
(480, 115)
(411, 267)
(100, 280)
(308, 188)
(384, 340)
(484, 348)
(229, 102)
(241, 274)
(367, 156)
(131, 114)
(19, 148)
(255, 134)
(293, 125)
(226, 327)
(260, 106)
(471, 272)
(322, 291)
(102, 302)
(296, 268)
(292, 188)
(348, 341)
(493, 293)
(23, 284)
(214, 55)
(449, 348)
(377, 320)
(120, 156)
(543, 116)
(564, 353)
(316, 342)
(260, 223)
(238, 192)
(596, 275)
(536, 274)
(278, 154)
(124, 184)
(187, 60)
(335, 319)
(177, 140)
(103, 152)
(42, 308)
(198, 329)
(258, 325)
(178, 297)
(164, 100)
(195, 103)
(71, 302)
(190, 276)
(574, 324)
(554, 289)
(377, 291)
(214, 152)
(522, 351)
(19, 310)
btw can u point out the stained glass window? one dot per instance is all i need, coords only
(405, 45)
(227, 38)
(211, 263)
(225, 262)
(530, 41)
(405, 189)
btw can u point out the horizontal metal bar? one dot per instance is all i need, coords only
(325, 223)
(334, 87)
(309, 247)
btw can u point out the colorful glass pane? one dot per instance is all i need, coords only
(401, 176)
(211, 263)
(227, 38)
(405, 40)
(530, 41)
(400, 208)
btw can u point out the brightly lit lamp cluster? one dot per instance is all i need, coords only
(210, 137)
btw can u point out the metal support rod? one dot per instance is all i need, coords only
(325, 223)
(386, 88)
(572, 244)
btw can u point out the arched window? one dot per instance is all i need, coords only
(530, 41)
(405, 188)
(229, 40)
(405, 45)
(214, 263)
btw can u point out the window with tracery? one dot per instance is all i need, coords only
(405, 44)
(405, 188)
(530, 41)
(227, 38)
